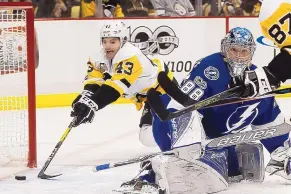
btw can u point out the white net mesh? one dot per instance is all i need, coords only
(13, 87)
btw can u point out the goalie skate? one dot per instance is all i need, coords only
(139, 187)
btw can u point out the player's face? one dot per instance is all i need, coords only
(111, 46)
(239, 54)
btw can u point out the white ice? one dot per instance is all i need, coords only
(113, 136)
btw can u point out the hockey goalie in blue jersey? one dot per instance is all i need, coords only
(196, 169)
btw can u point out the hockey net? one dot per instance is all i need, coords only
(17, 86)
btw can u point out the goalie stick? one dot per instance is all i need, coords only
(229, 96)
(125, 162)
(248, 136)
(157, 104)
(219, 142)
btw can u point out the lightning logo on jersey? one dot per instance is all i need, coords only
(241, 118)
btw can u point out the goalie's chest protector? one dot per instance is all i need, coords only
(221, 120)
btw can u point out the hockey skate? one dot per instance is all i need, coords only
(274, 166)
(277, 168)
(137, 186)
(280, 163)
(142, 184)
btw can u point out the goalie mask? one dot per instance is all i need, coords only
(238, 48)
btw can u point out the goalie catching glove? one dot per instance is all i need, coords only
(84, 108)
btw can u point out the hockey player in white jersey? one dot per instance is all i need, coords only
(275, 25)
(122, 71)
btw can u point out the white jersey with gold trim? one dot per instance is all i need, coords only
(138, 70)
(130, 72)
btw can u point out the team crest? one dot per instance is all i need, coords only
(101, 66)
(211, 73)
(241, 118)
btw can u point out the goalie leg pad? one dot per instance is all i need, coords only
(251, 161)
(176, 176)
(146, 136)
(162, 134)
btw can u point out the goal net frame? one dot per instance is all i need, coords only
(30, 71)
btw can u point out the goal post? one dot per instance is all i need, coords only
(18, 53)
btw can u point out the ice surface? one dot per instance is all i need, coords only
(113, 136)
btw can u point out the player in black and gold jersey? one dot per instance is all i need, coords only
(111, 8)
(275, 22)
(122, 71)
(137, 8)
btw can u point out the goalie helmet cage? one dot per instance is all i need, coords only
(17, 86)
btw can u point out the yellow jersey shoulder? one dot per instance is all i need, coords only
(275, 21)
(127, 64)
(126, 52)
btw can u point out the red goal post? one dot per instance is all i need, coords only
(18, 48)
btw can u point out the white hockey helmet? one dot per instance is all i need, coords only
(114, 29)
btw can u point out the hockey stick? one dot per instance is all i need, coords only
(248, 136)
(219, 142)
(157, 105)
(41, 174)
(125, 162)
(229, 96)
(238, 100)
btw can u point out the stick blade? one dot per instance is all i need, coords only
(45, 176)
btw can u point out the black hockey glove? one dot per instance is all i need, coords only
(87, 88)
(84, 109)
(280, 66)
(257, 82)
(77, 99)
(146, 117)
